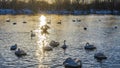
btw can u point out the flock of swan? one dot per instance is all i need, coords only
(69, 62)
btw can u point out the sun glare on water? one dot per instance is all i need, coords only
(42, 20)
(42, 39)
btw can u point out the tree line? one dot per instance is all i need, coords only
(67, 5)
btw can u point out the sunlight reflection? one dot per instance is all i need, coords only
(41, 38)
(42, 34)
(42, 20)
(43, 41)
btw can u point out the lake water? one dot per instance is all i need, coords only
(100, 32)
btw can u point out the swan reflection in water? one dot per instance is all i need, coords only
(44, 29)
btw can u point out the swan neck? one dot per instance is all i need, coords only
(64, 42)
(87, 44)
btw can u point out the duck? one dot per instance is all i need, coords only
(54, 43)
(14, 47)
(64, 47)
(85, 28)
(115, 27)
(78, 20)
(100, 56)
(59, 22)
(14, 23)
(24, 22)
(72, 63)
(73, 20)
(20, 53)
(8, 20)
(89, 47)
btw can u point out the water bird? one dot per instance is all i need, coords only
(100, 56)
(24, 22)
(73, 20)
(14, 47)
(78, 20)
(47, 48)
(64, 47)
(99, 20)
(14, 23)
(59, 22)
(54, 43)
(32, 34)
(20, 53)
(8, 20)
(115, 27)
(49, 22)
(85, 28)
(89, 47)
(72, 63)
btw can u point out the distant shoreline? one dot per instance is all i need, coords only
(61, 12)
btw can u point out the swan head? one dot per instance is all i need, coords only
(18, 49)
(87, 43)
(64, 40)
(15, 44)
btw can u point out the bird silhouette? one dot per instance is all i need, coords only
(32, 34)
(14, 47)
(89, 46)
(20, 53)
(59, 22)
(64, 47)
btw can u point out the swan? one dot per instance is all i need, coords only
(32, 34)
(54, 43)
(64, 47)
(100, 56)
(72, 63)
(46, 47)
(89, 47)
(14, 47)
(20, 53)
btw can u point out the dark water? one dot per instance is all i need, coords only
(100, 32)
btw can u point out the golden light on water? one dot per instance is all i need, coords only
(42, 20)
(42, 39)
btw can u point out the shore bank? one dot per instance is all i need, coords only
(62, 12)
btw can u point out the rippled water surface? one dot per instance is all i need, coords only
(100, 32)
